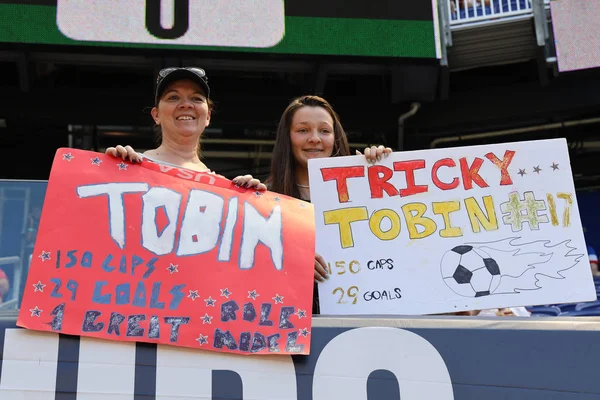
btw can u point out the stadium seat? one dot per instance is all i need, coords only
(590, 312)
(545, 311)
(567, 307)
(587, 305)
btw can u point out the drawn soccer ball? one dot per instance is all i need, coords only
(470, 271)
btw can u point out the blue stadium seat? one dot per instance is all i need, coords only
(567, 307)
(545, 311)
(587, 305)
(590, 312)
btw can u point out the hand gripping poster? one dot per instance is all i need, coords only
(151, 253)
(447, 230)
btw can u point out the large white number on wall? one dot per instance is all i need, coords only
(184, 373)
(347, 360)
(29, 365)
(106, 369)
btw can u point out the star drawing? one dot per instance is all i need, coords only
(522, 172)
(276, 199)
(302, 204)
(257, 193)
(38, 287)
(122, 166)
(193, 295)
(210, 302)
(68, 157)
(537, 169)
(252, 294)
(206, 319)
(35, 312)
(172, 268)
(202, 339)
(96, 161)
(278, 299)
(554, 166)
(304, 332)
(45, 255)
(301, 313)
(225, 293)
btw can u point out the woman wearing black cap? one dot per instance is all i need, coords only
(182, 109)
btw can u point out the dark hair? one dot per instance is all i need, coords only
(282, 178)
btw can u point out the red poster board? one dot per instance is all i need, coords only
(151, 253)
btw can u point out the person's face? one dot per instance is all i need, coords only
(182, 109)
(311, 134)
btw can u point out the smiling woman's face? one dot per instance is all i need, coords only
(311, 134)
(182, 109)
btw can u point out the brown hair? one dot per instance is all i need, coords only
(282, 178)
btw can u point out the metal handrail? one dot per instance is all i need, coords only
(486, 10)
(9, 260)
(10, 304)
(16, 281)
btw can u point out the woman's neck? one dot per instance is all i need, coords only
(186, 150)
(301, 176)
(302, 183)
(178, 153)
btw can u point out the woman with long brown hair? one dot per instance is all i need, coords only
(309, 128)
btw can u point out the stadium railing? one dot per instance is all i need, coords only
(472, 11)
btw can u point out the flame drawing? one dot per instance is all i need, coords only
(522, 262)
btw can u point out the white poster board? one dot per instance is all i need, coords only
(448, 230)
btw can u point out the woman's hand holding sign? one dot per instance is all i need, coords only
(320, 269)
(375, 153)
(127, 153)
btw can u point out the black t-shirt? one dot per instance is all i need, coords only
(315, 306)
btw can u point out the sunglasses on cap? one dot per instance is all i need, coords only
(167, 75)
(166, 71)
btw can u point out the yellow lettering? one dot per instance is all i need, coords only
(341, 299)
(552, 207)
(344, 217)
(353, 263)
(353, 292)
(477, 217)
(341, 265)
(412, 220)
(375, 224)
(567, 213)
(445, 208)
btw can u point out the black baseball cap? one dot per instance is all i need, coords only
(168, 75)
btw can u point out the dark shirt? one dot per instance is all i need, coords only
(315, 306)
(315, 309)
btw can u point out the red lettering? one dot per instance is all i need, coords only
(471, 174)
(409, 169)
(503, 165)
(340, 174)
(444, 162)
(379, 184)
